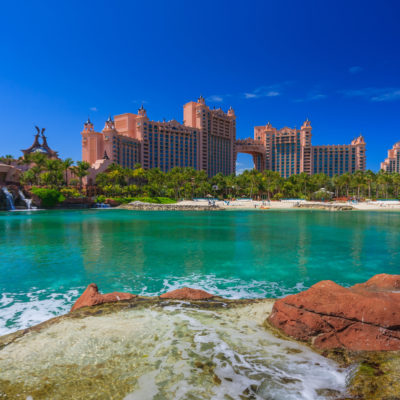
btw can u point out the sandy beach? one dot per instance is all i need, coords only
(245, 204)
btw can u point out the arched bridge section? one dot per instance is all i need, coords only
(254, 147)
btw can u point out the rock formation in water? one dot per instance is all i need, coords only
(187, 294)
(363, 317)
(91, 297)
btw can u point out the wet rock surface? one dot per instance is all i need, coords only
(152, 348)
(91, 297)
(365, 317)
(187, 294)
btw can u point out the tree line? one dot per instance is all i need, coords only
(188, 183)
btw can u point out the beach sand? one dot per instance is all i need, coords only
(288, 204)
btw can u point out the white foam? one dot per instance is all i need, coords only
(20, 311)
(230, 288)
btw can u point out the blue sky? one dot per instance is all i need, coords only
(335, 62)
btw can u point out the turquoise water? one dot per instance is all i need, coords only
(48, 257)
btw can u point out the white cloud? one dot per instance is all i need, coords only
(262, 92)
(355, 69)
(140, 102)
(313, 96)
(215, 98)
(374, 94)
(250, 95)
(93, 109)
(389, 96)
(317, 96)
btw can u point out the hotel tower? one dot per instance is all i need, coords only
(205, 140)
(289, 151)
(392, 162)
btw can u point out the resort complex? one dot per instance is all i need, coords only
(392, 162)
(290, 152)
(206, 140)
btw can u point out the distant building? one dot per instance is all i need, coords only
(205, 140)
(289, 151)
(338, 159)
(392, 162)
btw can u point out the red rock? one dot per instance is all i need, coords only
(363, 317)
(91, 297)
(187, 294)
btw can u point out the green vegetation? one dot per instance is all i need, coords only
(123, 184)
(187, 183)
(48, 197)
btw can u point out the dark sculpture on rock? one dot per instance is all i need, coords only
(38, 147)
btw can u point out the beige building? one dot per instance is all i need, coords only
(392, 162)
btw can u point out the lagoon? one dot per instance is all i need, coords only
(47, 258)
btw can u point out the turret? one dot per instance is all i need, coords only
(358, 141)
(142, 112)
(109, 125)
(306, 124)
(231, 112)
(201, 100)
(88, 126)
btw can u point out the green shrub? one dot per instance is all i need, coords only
(166, 200)
(48, 197)
(70, 193)
(100, 199)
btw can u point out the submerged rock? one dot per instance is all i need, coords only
(153, 349)
(91, 297)
(363, 317)
(186, 293)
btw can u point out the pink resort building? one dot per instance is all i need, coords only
(392, 162)
(289, 151)
(204, 141)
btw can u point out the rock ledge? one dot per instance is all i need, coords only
(91, 297)
(363, 317)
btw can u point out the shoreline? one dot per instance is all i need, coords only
(254, 205)
(104, 332)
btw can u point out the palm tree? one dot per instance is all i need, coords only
(67, 163)
(358, 180)
(81, 170)
(7, 159)
(345, 181)
(383, 180)
(370, 178)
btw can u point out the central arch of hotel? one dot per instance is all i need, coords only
(255, 148)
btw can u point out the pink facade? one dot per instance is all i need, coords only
(205, 141)
(392, 162)
(289, 151)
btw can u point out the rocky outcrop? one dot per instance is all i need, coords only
(137, 205)
(187, 294)
(363, 317)
(91, 297)
(325, 206)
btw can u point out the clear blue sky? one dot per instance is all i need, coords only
(335, 62)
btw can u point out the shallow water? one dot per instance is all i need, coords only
(48, 257)
(175, 352)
